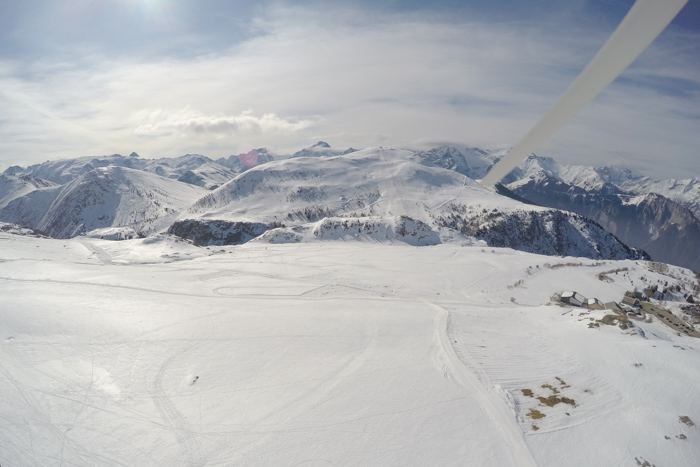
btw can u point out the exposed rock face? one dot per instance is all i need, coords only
(217, 232)
(382, 194)
(472, 162)
(663, 228)
(543, 232)
(372, 228)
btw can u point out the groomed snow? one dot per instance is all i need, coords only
(155, 352)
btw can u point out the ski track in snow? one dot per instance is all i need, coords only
(186, 438)
(340, 355)
(478, 387)
(101, 255)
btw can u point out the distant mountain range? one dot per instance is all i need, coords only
(376, 194)
(660, 217)
(115, 201)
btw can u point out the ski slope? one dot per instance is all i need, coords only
(155, 352)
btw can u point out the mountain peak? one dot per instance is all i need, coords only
(13, 170)
(321, 144)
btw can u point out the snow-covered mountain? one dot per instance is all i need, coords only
(588, 178)
(14, 186)
(322, 149)
(618, 200)
(190, 168)
(242, 162)
(684, 192)
(384, 194)
(209, 175)
(607, 180)
(327, 338)
(103, 198)
(614, 198)
(64, 170)
(472, 162)
(194, 169)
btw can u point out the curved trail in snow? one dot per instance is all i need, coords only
(178, 423)
(489, 401)
(102, 256)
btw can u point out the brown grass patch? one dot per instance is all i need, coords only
(536, 414)
(686, 419)
(609, 320)
(553, 400)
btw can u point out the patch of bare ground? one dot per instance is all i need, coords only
(642, 463)
(562, 382)
(553, 400)
(620, 320)
(536, 414)
(605, 276)
(686, 419)
(553, 396)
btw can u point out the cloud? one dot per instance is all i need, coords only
(187, 121)
(357, 79)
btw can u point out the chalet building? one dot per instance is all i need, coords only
(573, 298)
(631, 301)
(595, 304)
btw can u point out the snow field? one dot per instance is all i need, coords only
(124, 353)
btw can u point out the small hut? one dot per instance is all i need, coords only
(631, 301)
(573, 298)
(595, 304)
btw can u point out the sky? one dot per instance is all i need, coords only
(165, 78)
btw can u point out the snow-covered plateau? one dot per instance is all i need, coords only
(151, 352)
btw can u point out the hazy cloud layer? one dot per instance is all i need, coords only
(188, 122)
(353, 79)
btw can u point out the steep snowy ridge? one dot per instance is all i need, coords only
(550, 232)
(65, 170)
(472, 162)
(104, 197)
(28, 210)
(242, 162)
(15, 229)
(208, 175)
(321, 149)
(378, 183)
(15, 186)
(685, 192)
(606, 179)
(618, 200)
(402, 229)
(193, 168)
(382, 194)
(546, 169)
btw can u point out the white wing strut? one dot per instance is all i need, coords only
(643, 23)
